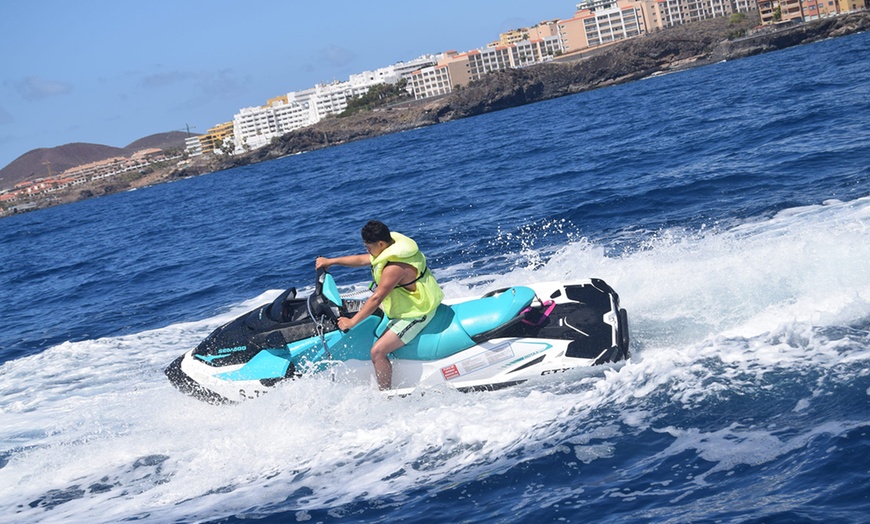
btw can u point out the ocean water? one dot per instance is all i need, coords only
(728, 205)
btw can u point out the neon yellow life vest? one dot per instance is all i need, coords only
(401, 302)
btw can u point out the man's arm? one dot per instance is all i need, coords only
(347, 261)
(390, 278)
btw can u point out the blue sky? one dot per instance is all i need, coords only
(111, 72)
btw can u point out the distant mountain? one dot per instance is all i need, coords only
(171, 140)
(35, 163)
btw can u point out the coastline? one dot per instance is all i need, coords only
(676, 49)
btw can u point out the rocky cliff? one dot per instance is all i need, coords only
(814, 31)
(677, 48)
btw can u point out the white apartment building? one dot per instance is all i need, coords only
(394, 73)
(406, 69)
(192, 146)
(743, 6)
(255, 127)
(547, 48)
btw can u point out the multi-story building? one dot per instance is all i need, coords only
(459, 69)
(99, 169)
(602, 22)
(511, 37)
(743, 6)
(609, 21)
(767, 11)
(543, 30)
(432, 81)
(791, 10)
(776, 11)
(404, 70)
(572, 33)
(815, 9)
(534, 51)
(331, 99)
(677, 12)
(214, 139)
(852, 5)
(547, 47)
(192, 146)
(486, 60)
(254, 127)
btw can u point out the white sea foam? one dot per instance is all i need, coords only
(94, 431)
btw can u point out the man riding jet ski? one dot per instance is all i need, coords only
(503, 338)
(406, 292)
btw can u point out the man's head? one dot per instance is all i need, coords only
(376, 237)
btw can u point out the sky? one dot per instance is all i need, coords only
(112, 72)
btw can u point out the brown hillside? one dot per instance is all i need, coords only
(33, 164)
(171, 140)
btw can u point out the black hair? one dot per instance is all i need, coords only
(375, 231)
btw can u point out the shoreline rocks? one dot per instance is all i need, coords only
(675, 49)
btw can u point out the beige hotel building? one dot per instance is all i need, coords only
(596, 23)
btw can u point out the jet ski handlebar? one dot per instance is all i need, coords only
(326, 300)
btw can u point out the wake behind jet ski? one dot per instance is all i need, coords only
(503, 338)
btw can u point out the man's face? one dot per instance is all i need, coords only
(376, 248)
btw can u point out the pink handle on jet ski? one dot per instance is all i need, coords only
(550, 305)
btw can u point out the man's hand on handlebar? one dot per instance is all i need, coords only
(345, 323)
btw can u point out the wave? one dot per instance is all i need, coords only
(769, 317)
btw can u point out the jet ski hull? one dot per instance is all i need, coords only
(565, 326)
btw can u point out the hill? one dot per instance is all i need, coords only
(35, 164)
(164, 141)
(675, 49)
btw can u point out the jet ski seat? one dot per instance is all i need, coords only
(279, 310)
(485, 314)
(453, 327)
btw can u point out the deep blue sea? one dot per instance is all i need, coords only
(728, 205)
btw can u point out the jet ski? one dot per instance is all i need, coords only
(503, 338)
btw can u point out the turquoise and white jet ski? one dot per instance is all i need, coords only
(503, 338)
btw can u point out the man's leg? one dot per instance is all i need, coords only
(383, 346)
